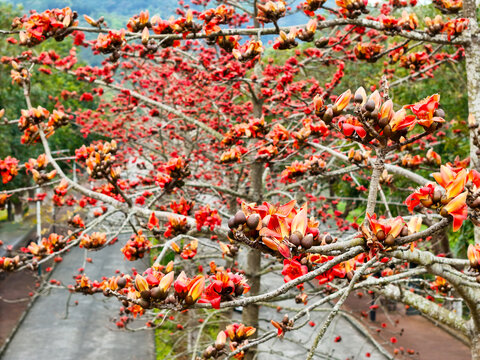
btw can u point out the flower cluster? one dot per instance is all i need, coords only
(76, 221)
(449, 6)
(215, 17)
(396, 52)
(282, 327)
(139, 22)
(286, 42)
(176, 226)
(440, 285)
(232, 155)
(310, 128)
(93, 241)
(433, 158)
(456, 193)
(183, 25)
(238, 335)
(99, 159)
(271, 11)
(414, 61)
(37, 168)
(357, 156)
(153, 288)
(207, 217)
(59, 192)
(393, 25)
(111, 42)
(473, 255)
(172, 174)
(136, 247)
(49, 245)
(8, 169)
(352, 8)
(307, 34)
(412, 162)
(294, 170)
(338, 271)
(451, 27)
(278, 228)
(8, 263)
(29, 122)
(189, 250)
(3, 200)
(249, 51)
(293, 268)
(57, 119)
(302, 264)
(228, 43)
(217, 349)
(315, 165)
(40, 26)
(255, 128)
(229, 250)
(368, 51)
(19, 75)
(386, 178)
(310, 6)
(376, 119)
(224, 286)
(85, 286)
(381, 234)
(183, 207)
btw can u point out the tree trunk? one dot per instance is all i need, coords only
(475, 347)
(18, 210)
(232, 199)
(10, 216)
(472, 57)
(441, 244)
(31, 204)
(254, 259)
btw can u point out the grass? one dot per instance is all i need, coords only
(163, 342)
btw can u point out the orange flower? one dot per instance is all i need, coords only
(195, 289)
(425, 109)
(401, 121)
(189, 250)
(433, 157)
(452, 180)
(473, 254)
(271, 11)
(458, 208)
(140, 283)
(251, 50)
(153, 222)
(342, 101)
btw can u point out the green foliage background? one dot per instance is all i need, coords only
(44, 89)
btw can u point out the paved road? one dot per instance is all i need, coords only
(295, 345)
(87, 333)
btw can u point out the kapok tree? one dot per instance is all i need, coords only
(213, 136)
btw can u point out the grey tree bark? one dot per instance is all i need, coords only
(254, 256)
(472, 58)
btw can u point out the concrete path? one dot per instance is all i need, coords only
(296, 345)
(87, 333)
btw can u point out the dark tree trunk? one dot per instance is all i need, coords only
(10, 216)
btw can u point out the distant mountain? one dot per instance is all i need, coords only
(117, 12)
